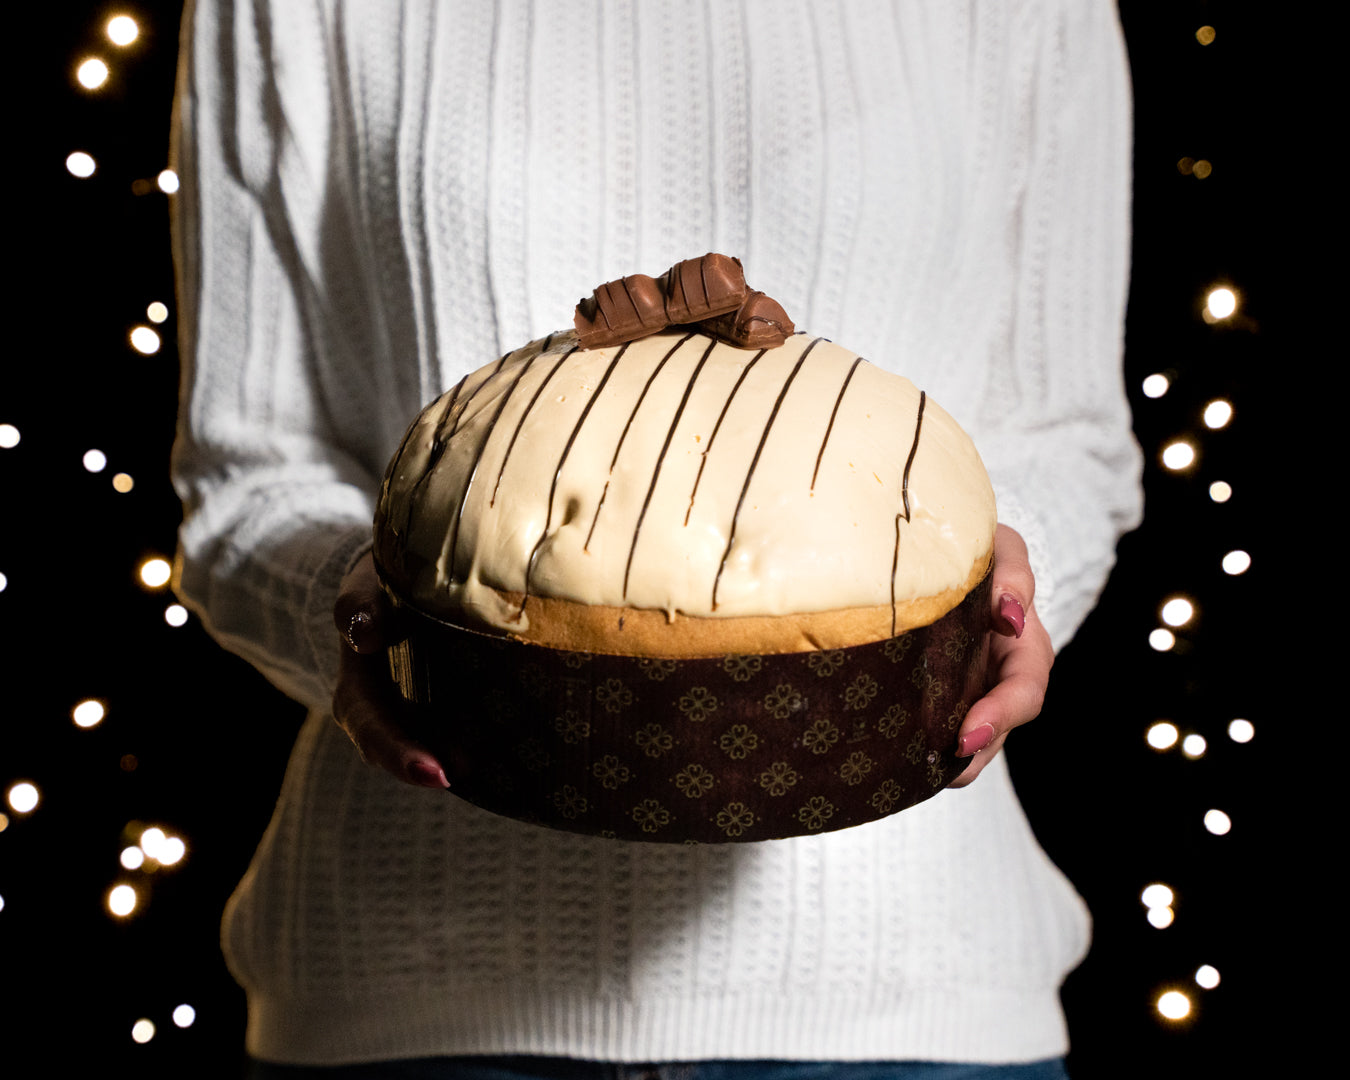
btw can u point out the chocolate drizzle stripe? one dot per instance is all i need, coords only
(749, 475)
(904, 496)
(833, 413)
(660, 460)
(557, 472)
(440, 439)
(717, 427)
(506, 457)
(627, 425)
(477, 459)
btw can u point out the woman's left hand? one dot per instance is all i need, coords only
(1020, 656)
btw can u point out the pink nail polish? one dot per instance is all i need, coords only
(424, 775)
(973, 742)
(1010, 611)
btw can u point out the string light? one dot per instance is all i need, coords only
(1207, 976)
(184, 1015)
(1162, 735)
(1162, 639)
(1241, 731)
(176, 615)
(1237, 562)
(1220, 491)
(144, 340)
(9, 436)
(23, 797)
(95, 460)
(1205, 35)
(157, 312)
(1220, 304)
(1178, 455)
(1174, 1005)
(142, 1031)
(122, 900)
(122, 483)
(132, 857)
(122, 30)
(1218, 413)
(1194, 746)
(1218, 823)
(1158, 899)
(92, 73)
(155, 572)
(88, 713)
(1177, 611)
(167, 181)
(1156, 385)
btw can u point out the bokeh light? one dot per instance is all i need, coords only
(1160, 918)
(1241, 731)
(167, 181)
(1205, 35)
(1174, 1005)
(1177, 611)
(1161, 639)
(142, 1031)
(1221, 303)
(92, 73)
(1194, 746)
(1162, 735)
(132, 857)
(122, 483)
(1220, 491)
(155, 572)
(184, 1015)
(122, 900)
(88, 713)
(23, 797)
(81, 164)
(1218, 413)
(176, 615)
(122, 30)
(1237, 562)
(1218, 823)
(95, 460)
(157, 312)
(1207, 976)
(144, 340)
(1178, 455)
(1156, 385)
(9, 436)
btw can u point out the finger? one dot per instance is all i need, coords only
(363, 708)
(1014, 584)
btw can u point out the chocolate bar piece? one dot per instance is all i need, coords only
(759, 323)
(638, 305)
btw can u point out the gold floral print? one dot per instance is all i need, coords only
(957, 715)
(742, 668)
(820, 736)
(918, 746)
(611, 772)
(738, 740)
(817, 811)
(533, 755)
(535, 680)
(931, 689)
(572, 726)
(936, 777)
(893, 721)
(957, 644)
(654, 740)
(735, 819)
(657, 669)
(651, 815)
(783, 701)
(855, 768)
(825, 664)
(861, 692)
(694, 781)
(886, 798)
(698, 704)
(570, 802)
(576, 659)
(896, 648)
(777, 778)
(613, 695)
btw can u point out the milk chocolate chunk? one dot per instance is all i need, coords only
(759, 323)
(698, 289)
(636, 306)
(620, 311)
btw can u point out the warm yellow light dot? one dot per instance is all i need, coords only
(1162, 640)
(1194, 746)
(167, 181)
(92, 73)
(1157, 895)
(152, 842)
(122, 30)
(157, 312)
(122, 483)
(155, 573)
(1174, 1005)
(1221, 302)
(95, 460)
(1218, 413)
(9, 436)
(184, 1015)
(23, 797)
(1241, 731)
(1237, 562)
(3, 582)
(1178, 611)
(1178, 455)
(1220, 491)
(142, 1031)
(1161, 735)
(122, 900)
(132, 858)
(1218, 823)
(1160, 918)
(1205, 35)
(144, 340)
(176, 615)
(80, 164)
(1201, 169)
(88, 713)
(1207, 976)
(1185, 165)
(171, 851)
(1156, 385)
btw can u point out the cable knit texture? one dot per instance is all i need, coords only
(378, 197)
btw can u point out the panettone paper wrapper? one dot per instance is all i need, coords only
(726, 749)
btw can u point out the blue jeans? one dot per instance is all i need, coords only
(546, 1068)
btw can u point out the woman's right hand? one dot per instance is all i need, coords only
(365, 703)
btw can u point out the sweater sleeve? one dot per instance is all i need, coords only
(1059, 444)
(275, 508)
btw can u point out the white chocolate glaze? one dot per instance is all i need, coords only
(683, 475)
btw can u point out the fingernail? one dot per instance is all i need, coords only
(425, 775)
(1010, 611)
(972, 742)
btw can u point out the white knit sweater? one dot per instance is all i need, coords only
(380, 196)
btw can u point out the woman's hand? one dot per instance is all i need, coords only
(1020, 656)
(365, 703)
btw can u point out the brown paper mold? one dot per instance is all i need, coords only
(715, 750)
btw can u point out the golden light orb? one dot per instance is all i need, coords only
(157, 312)
(1194, 746)
(155, 572)
(1218, 413)
(1207, 976)
(1162, 735)
(9, 436)
(144, 340)
(142, 1031)
(1178, 455)
(1220, 491)
(92, 73)
(95, 460)
(1205, 35)
(122, 30)
(1174, 1005)
(1156, 385)
(81, 164)
(1218, 823)
(1177, 611)
(23, 797)
(88, 713)
(122, 483)
(1237, 562)
(122, 900)
(1221, 303)
(1241, 731)
(176, 615)
(1157, 895)
(1161, 639)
